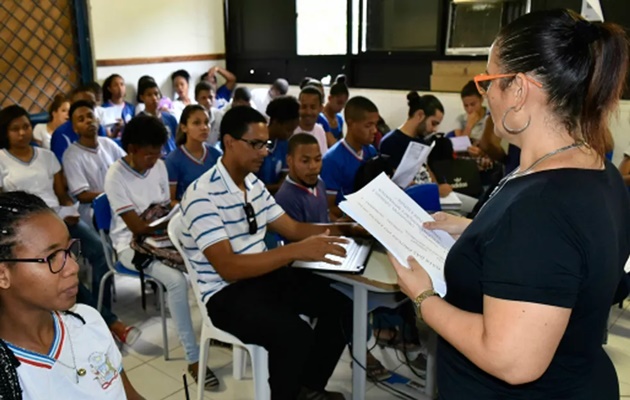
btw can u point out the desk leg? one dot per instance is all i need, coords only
(430, 385)
(359, 342)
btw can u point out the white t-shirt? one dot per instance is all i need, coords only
(320, 135)
(260, 100)
(85, 169)
(127, 190)
(216, 116)
(477, 131)
(42, 377)
(40, 133)
(36, 176)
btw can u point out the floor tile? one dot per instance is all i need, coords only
(130, 361)
(217, 359)
(153, 384)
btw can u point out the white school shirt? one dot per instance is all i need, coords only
(320, 135)
(40, 133)
(212, 211)
(43, 377)
(260, 100)
(36, 176)
(128, 190)
(216, 116)
(85, 169)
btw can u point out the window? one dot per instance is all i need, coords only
(400, 25)
(321, 27)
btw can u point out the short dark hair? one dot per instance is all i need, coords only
(236, 122)
(281, 86)
(283, 109)
(144, 131)
(78, 104)
(7, 115)
(242, 93)
(470, 89)
(301, 139)
(310, 89)
(371, 169)
(146, 85)
(202, 86)
(181, 73)
(95, 88)
(357, 107)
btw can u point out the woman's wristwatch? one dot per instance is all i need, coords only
(422, 297)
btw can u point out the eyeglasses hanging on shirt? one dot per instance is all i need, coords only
(250, 215)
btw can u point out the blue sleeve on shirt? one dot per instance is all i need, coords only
(101, 131)
(59, 141)
(171, 124)
(171, 162)
(223, 93)
(321, 119)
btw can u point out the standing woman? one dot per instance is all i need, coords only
(330, 118)
(531, 280)
(58, 112)
(46, 351)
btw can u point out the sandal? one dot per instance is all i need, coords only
(211, 382)
(130, 336)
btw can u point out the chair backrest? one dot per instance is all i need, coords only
(174, 233)
(462, 175)
(427, 195)
(102, 212)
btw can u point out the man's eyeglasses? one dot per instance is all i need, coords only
(483, 81)
(251, 218)
(258, 144)
(57, 260)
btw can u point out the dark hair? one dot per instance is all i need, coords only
(283, 109)
(81, 89)
(581, 65)
(281, 86)
(431, 105)
(442, 150)
(8, 115)
(312, 82)
(470, 89)
(144, 131)
(14, 208)
(236, 122)
(78, 104)
(339, 88)
(301, 139)
(181, 138)
(357, 107)
(309, 89)
(107, 95)
(141, 81)
(242, 93)
(203, 77)
(181, 73)
(415, 103)
(371, 169)
(57, 102)
(201, 86)
(94, 88)
(146, 85)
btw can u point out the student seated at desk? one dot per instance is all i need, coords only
(330, 118)
(283, 112)
(193, 156)
(47, 351)
(341, 162)
(249, 291)
(149, 92)
(204, 96)
(472, 122)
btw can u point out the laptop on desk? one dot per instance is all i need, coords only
(357, 254)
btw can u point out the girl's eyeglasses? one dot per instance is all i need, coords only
(57, 260)
(483, 81)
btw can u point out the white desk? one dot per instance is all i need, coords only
(380, 277)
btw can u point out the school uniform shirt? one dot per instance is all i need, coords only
(260, 100)
(85, 169)
(320, 135)
(477, 131)
(216, 116)
(213, 210)
(170, 123)
(127, 110)
(36, 176)
(40, 132)
(222, 97)
(302, 203)
(89, 346)
(64, 136)
(128, 190)
(183, 168)
(275, 163)
(340, 165)
(336, 132)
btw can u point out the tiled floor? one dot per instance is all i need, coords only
(157, 379)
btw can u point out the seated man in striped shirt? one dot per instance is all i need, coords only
(249, 291)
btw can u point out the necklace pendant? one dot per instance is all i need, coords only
(81, 371)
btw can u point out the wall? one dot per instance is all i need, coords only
(156, 37)
(392, 106)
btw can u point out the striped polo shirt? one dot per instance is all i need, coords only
(213, 209)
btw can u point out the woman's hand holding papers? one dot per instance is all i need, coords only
(449, 223)
(316, 248)
(414, 280)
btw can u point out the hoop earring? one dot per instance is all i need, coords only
(510, 130)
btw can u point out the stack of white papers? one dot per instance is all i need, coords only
(415, 156)
(461, 144)
(395, 220)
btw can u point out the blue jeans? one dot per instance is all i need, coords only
(177, 298)
(92, 249)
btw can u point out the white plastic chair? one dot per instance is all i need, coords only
(258, 354)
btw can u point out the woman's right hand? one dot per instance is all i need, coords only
(452, 224)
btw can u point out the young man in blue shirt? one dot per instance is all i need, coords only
(222, 93)
(149, 93)
(342, 161)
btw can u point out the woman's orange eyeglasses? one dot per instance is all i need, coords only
(483, 81)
